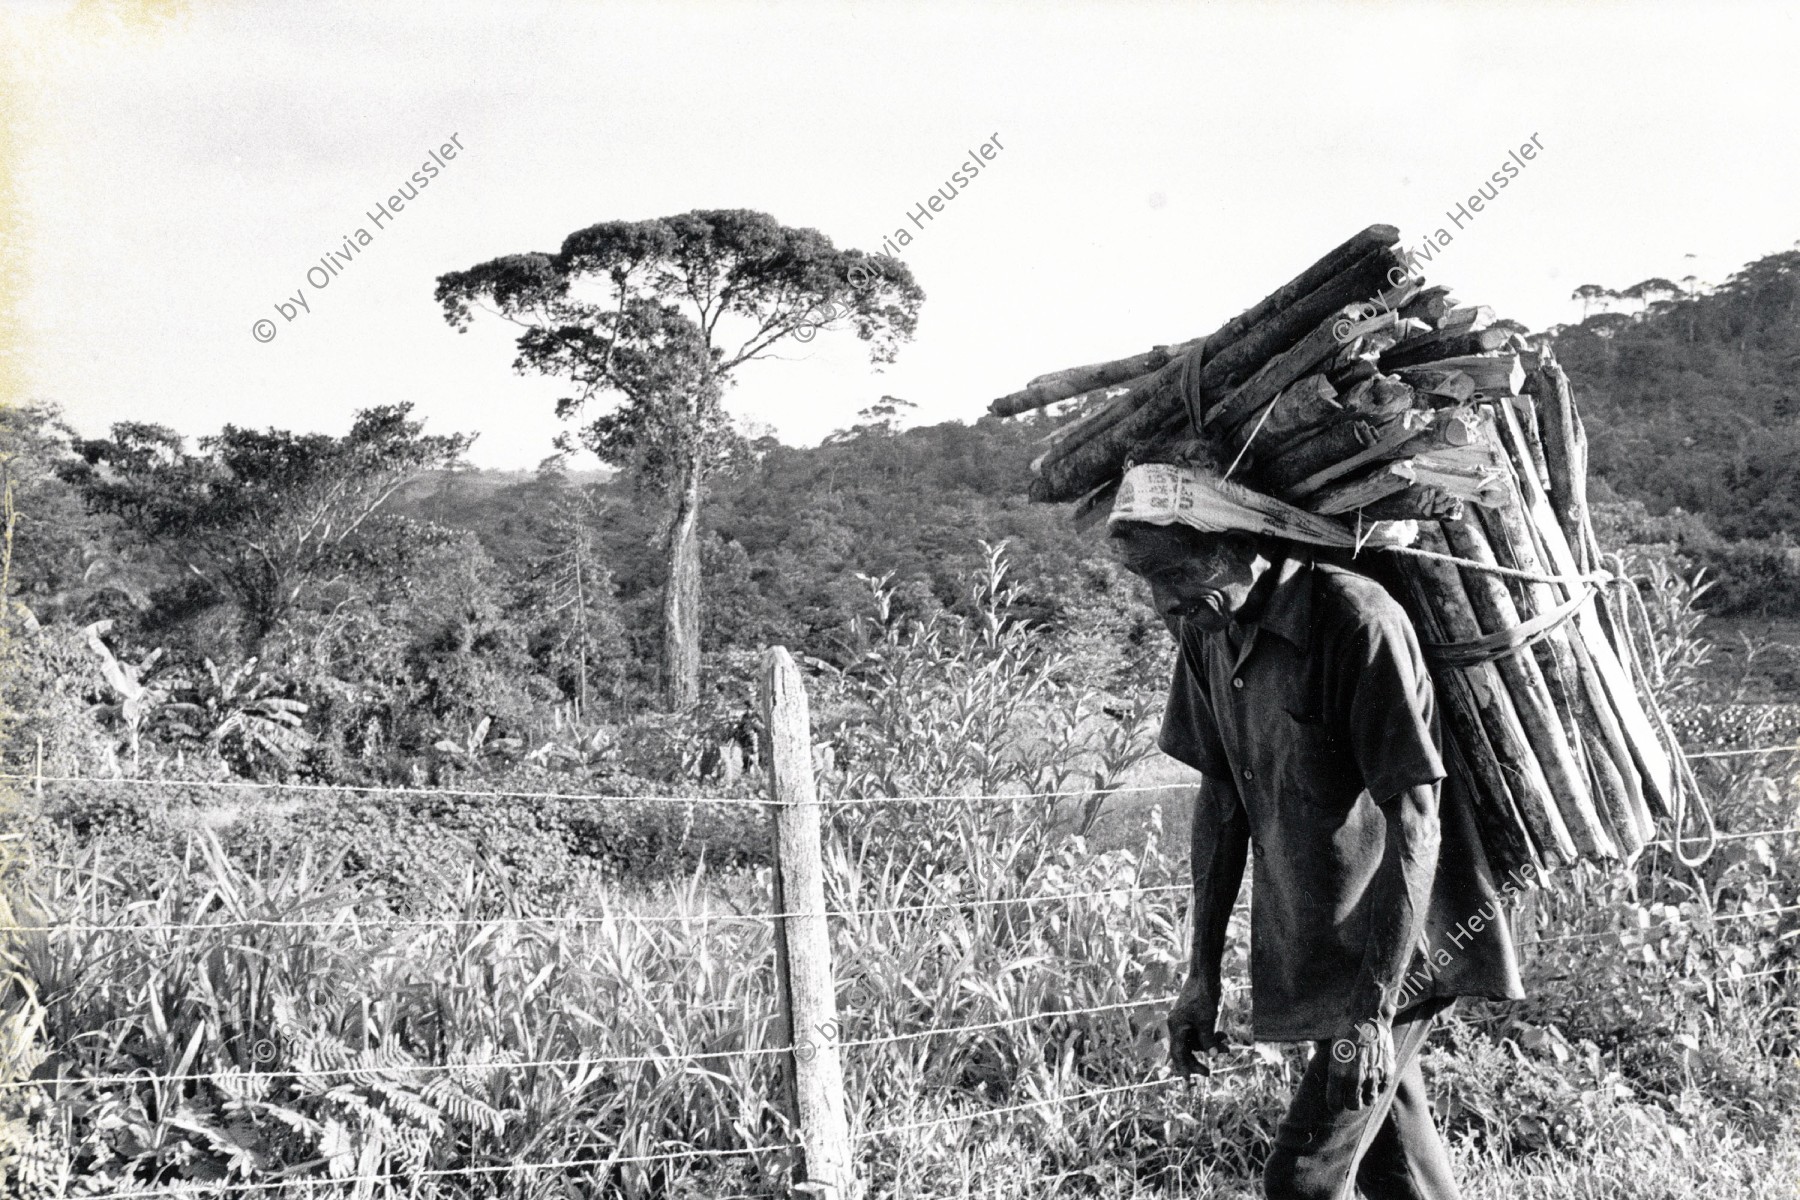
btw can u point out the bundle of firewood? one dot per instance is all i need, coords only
(1357, 392)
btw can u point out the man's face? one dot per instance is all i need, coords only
(1206, 580)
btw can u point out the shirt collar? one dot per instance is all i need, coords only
(1287, 607)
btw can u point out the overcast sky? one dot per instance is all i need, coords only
(1162, 167)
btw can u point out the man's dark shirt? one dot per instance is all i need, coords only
(1312, 711)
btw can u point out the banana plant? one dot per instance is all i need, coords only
(477, 744)
(242, 714)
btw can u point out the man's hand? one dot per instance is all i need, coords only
(1193, 1028)
(1362, 1064)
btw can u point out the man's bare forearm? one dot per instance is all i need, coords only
(1399, 895)
(1221, 840)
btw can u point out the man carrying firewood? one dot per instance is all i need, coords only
(1302, 698)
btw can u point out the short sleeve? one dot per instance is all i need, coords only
(1389, 706)
(1190, 733)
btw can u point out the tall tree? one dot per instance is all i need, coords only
(656, 317)
(1589, 294)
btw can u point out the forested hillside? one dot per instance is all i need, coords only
(1692, 402)
(319, 604)
(788, 534)
(358, 607)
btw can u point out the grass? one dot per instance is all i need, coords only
(360, 1008)
(336, 956)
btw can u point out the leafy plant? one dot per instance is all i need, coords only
(244, 715)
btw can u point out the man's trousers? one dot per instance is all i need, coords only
(1390, 1150)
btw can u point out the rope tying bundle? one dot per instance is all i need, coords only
(1686, 795)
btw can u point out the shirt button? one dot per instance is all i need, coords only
(1249, 774)
(1238, 682)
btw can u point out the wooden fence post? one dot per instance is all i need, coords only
(812, 1071)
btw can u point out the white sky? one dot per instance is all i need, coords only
(1163, 166)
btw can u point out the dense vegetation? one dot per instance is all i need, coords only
(1692, 402)
(431, 989)
(362, 614)
(353, 729)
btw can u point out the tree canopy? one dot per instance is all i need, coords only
(259, 515)
(656, 317)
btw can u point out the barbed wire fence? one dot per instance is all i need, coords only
(822, 1160)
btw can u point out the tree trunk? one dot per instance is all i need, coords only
(581, 616)
(681, 596)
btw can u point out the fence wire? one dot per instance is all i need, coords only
(1666, 925)
(1027, 1106)
(191, 1190)
(1229, 988)
(330, 789)
(590, 919)
(677, 919)
(367, 1073)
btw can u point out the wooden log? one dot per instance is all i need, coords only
(1074, 381)
(1515, 546)
(1479, 456)
(1391, 390)
(1500, 842)
(1431, 305)
(1331, 444)
(1614, 742)
(1379, 342)
(1470, 319)
(1378, 398)
(1376, 405)
(1376, 483)
(1348, 374)
(1526, 784)
(1162, 445)
(1271, 339)
(1441, 345)
(1341, 258)
(1364, 323)
(1647, 749)
(1606, 736)
(1060, 385)
(1298, 359)
(1396, 298)
(1495, 610)
(805, 984)
(1492, 374)
(1504, 834)
(1086, 463)
(1348, 353)
(1411, 434)
(1390, 440)
(1303, 406)
(1095, 375)
(1360, 396)
(1109, 411)
(1448, 471)
(1439, 387)
(1414, 502)
(1565, 452)
(1090, 411)
(1450, 429)
(1530, 459)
